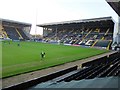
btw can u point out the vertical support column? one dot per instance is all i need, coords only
(0, 28)
(26, 31)
(1, 60)
(35, 31)
(45, 31)
(0, 25)
(119, 30)
(56, 33)
(0, 65)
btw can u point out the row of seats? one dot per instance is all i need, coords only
(99, 73)
(15, 33)
(22, 34)
(11, 32)
(86, 36)
(103, 43)
(100, 68)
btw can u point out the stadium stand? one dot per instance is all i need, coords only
(22, 34)
(96, 32)
(11, 32)
(14, 30)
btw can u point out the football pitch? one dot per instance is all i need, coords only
(26, 57)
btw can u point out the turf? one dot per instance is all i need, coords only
(26, 57)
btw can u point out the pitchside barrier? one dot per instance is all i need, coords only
(104, 59)
(25, 85)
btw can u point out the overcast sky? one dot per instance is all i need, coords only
(46, 11)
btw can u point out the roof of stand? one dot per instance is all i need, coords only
(76, 21)
(7, 21)
(115, 4)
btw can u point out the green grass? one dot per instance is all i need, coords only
(26, 57)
